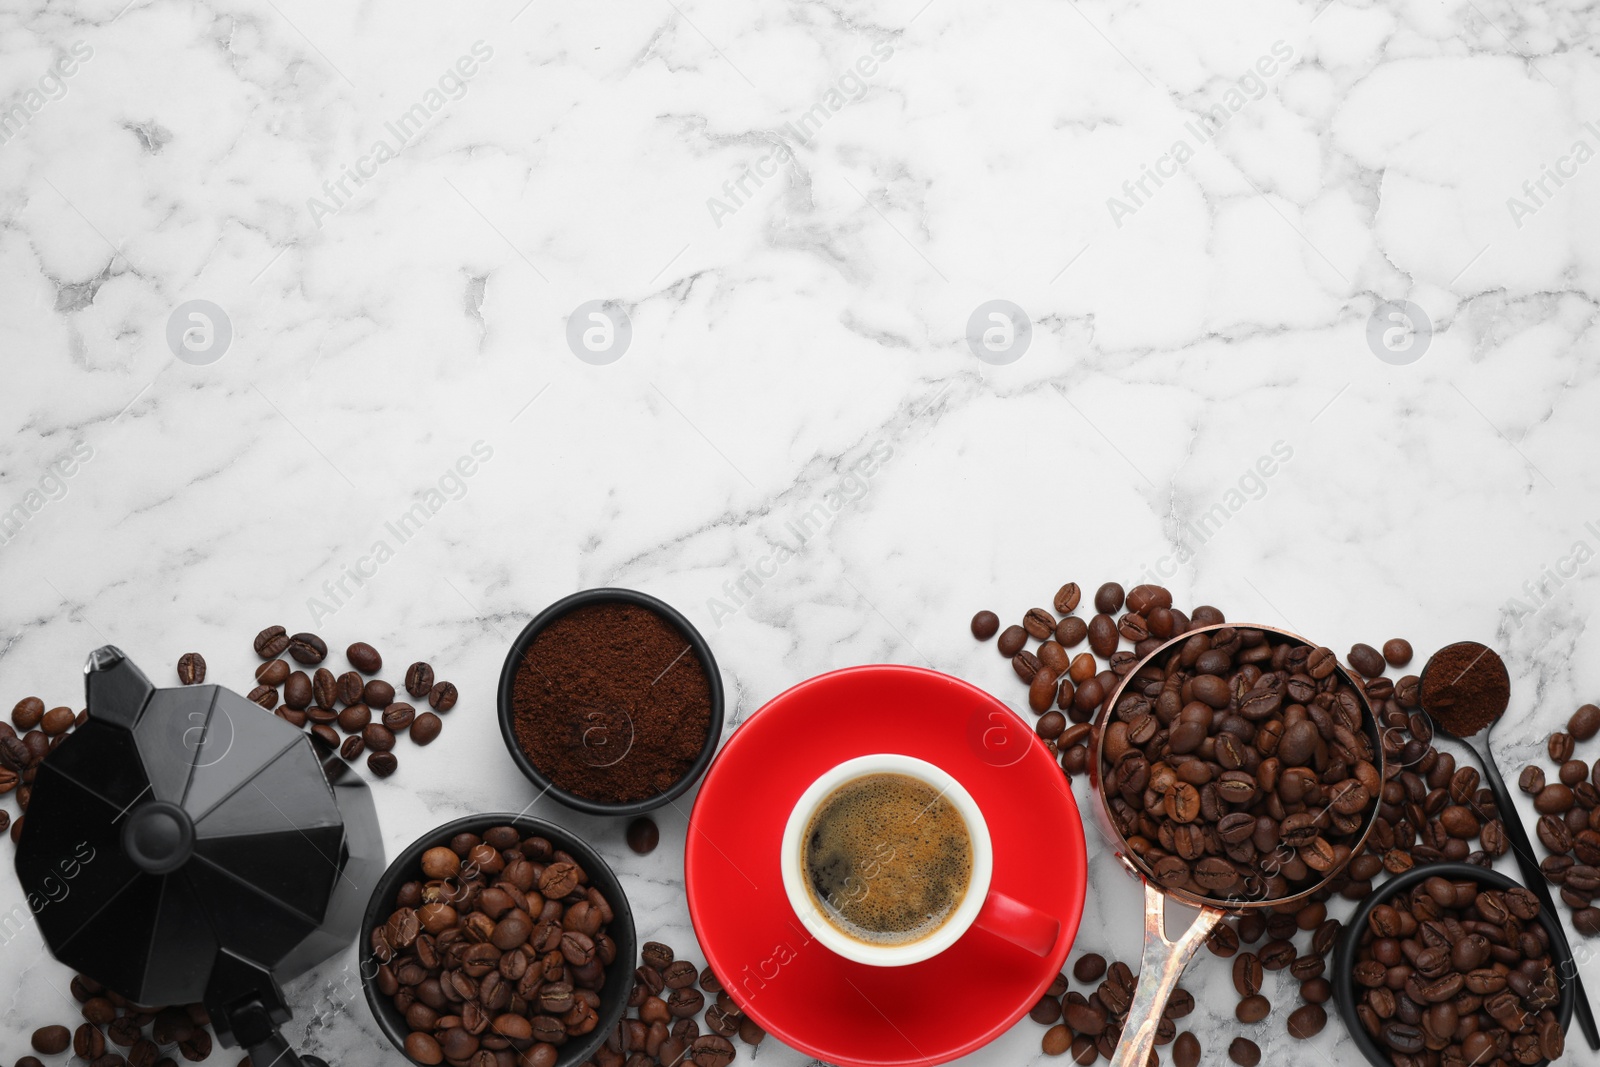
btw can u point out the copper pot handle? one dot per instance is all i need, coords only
(1159, 970)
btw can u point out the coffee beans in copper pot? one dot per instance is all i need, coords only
(1237, 726)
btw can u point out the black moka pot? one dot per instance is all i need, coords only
(186, 846)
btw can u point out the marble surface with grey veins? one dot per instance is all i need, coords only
(399, 322)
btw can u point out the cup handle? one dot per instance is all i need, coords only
(1159, 970)
(1022, 925)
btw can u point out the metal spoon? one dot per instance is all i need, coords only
(1444, 700)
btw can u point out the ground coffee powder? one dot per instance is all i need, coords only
(1465, 687)
(611, 703)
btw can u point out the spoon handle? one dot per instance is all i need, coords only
(1533, 878)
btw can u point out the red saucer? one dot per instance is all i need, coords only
(803, 994)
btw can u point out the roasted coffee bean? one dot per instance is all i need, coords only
(326, 734)
(191, 668)
(442, 697)
(297, 691)
(350, 685)
(1397, 651)
(1531, 781)
(1223, 940)
(1026, 665)
(377, 693)
(1046, 1012)
(266, 696)
(1554, 799)
(425, 728)
(419, 679)
(1585, 722)
(1560, 747)
(1307, 1021)
(1186, 1050)
(1108, 598)
(1103, 635)
(1252, 1009)
(398, 716)
(325, 688)
(1247, 974)
(354, 718)
(27, 713)
(382, 764)
(1066, 598)
(271, 642)
(1052, 655)
(985, 624)
(1367, 661)
(307, 648)
(1039, 624)
(273, 673)
(1056, 1040)
(1091, 967)
(1277, 954)
(711, 1050)
(51, 1040)
(56, 722)
(352, 747)
(1012, 638)
(1042, 690)
(1071, 631)
(363, 657)
(88, 1043)
(424, 1049)
(1244, 1052)
(1085, 1018)
(378, 737)
(642, 835)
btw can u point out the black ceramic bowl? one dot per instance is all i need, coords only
(408, 866)
(519, 649)
(1344, 956)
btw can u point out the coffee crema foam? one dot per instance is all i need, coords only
(887, 859)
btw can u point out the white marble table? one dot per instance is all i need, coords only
(1355, 243)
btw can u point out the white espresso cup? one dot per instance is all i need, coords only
(1002, 915)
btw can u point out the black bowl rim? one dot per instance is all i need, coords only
(519, 648)
(613, 1002)
(1350, 938)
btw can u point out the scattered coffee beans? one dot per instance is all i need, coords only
(1569, 826)
(314, 701)
(985, 624)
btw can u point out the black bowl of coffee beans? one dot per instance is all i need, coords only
(498, 940)
(610, 701)
(1451, 962)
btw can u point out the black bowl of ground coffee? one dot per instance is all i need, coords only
(451, 908)
(610, 701)
(1386, 1030)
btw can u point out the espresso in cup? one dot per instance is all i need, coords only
(887, 859)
